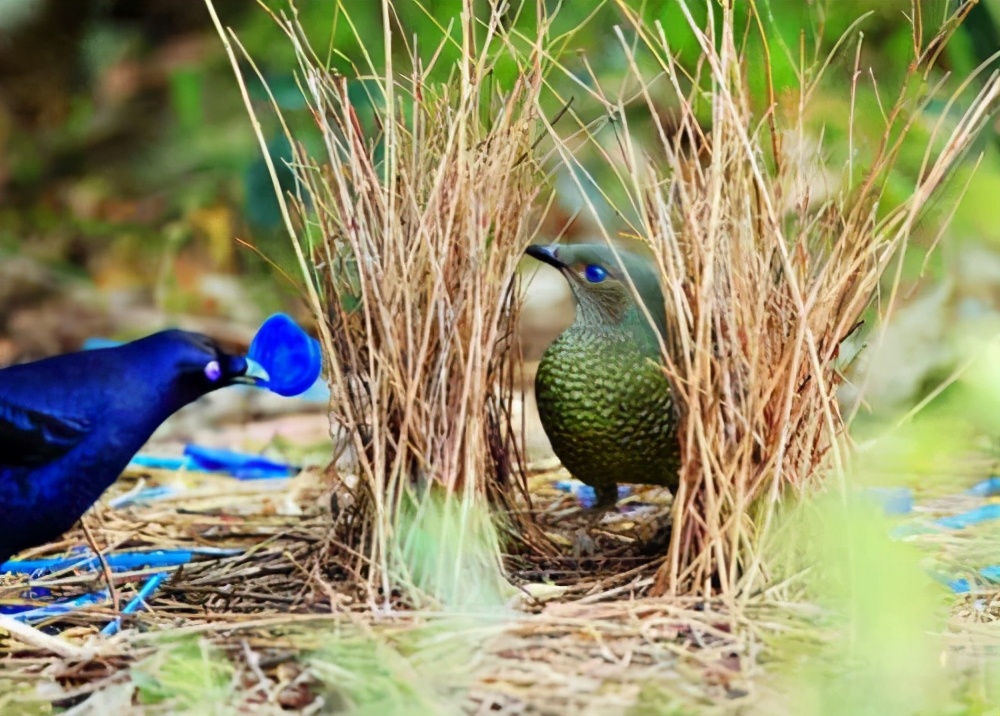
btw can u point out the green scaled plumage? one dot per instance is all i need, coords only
(603, 398)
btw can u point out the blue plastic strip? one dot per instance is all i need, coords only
(990, 487)
(962, 585)
(991, 574)
(153, 462)
(116, 562)
(147, 494)
(95, 343)
(959, 586)
(33, 593)
(139, 600)
(240, 465)
(64, 607)
(120, 561)
(972, 517)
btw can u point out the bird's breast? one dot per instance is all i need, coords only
(606, 406)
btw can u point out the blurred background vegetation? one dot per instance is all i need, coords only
(128, 166)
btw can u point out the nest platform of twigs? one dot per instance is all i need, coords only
(567, 633)
(273, 620)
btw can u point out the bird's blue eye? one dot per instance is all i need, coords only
(595, 273)
(213, 371)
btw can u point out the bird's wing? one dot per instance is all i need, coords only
(31, 437)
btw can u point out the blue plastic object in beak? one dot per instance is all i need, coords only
(289, 359)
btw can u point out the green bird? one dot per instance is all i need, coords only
(603, 398)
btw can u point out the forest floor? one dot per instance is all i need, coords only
(262, 621)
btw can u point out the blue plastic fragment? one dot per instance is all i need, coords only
(63, 607)
(984, 513)
(240, 465)
(138, 601)
(117, 562)
(990, 487)
(146, 494)
(894, 500)
(959, 586)
(962, 585)
(243, 466)
(292, 358)
(900, 501)
(154, 462)
(33, 593)
(991, 574)
(96, 343)
(120, 561)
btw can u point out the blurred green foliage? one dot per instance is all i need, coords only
(189, 675)
(879, 653)
(155, 113)
(422, 670)
(447, 549)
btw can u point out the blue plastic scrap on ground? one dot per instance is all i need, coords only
(984, 513)
(242, 466)
(990, 487)
(154, 462)
(96, 343)
(33, 593)
(29, 615)
(958, 586)
(146, 494)
(137, 602)
(121, 561)
(962, 586)
(991, 574)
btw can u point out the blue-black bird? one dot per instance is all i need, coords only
(71, 423)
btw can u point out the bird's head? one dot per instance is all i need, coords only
(192, 364)
(602, 292)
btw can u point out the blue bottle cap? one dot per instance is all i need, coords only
(291, 357)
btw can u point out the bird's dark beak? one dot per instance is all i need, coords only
(545, 254)
(255, 374)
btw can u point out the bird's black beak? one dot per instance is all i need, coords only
(545, 254)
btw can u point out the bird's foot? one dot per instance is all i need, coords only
(602, 497)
